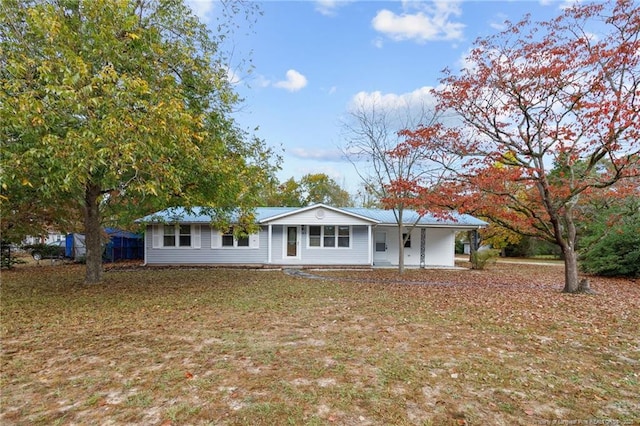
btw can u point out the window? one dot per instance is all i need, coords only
(407, 240)
(185, 235)
(343, 236)
(169, 236)
(243, 241)
(180, 234)
(329, 236)
(315, 233)
(229, 240)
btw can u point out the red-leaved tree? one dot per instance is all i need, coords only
(549, 115)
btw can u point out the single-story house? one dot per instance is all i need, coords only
(317, 235)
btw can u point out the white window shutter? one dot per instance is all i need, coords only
(195, 236)
(216, 238)
(254, 240)
(157, 234)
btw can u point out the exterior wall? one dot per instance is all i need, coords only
(207, 251)
(204, 253)
(411, 254)
(319, 216)
(205, 248)
(439, 250)
(356, 254)
(441, 246)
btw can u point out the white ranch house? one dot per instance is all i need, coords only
(317, 235)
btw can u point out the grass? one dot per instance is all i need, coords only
(242, 347)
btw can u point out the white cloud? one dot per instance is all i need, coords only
(232, 76)
(465, 62)
(562, 4)
(500, 22)
(419, 98)
(568, 4)
(294, 81)
(329, 7)
(398, 111)
(202, 8)
(317, 154)
(432, 21)
(262, 81)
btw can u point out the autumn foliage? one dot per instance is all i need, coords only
(547, 116)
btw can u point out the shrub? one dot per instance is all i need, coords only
(483, 258)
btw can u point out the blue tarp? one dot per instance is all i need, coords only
(122, 245)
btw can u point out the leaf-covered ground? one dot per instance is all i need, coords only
(215, 346)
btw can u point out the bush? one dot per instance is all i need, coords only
(483, 258)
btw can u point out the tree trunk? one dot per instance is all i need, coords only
(472, 236)
(400, 251)
(400, 242)
(571, 281)
(92, 232)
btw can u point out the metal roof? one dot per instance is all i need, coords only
(203, 214)
(265, 214)
(387, 217)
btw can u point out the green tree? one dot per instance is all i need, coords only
(311, 189)
(286, 194)
(610, 244)
(320, 188)
(116, 106)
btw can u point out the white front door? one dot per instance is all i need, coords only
(380, 250)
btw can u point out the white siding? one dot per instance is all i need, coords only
(440, 247)
(319, 216)
(357, 254)
(439, 251)
(411, 254)
(209, 251)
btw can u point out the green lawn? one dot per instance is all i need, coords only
(215, 346)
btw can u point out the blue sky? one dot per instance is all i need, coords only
(314, 60)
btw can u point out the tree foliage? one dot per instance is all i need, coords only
(549, 116)
(116, 107)
(320, 188)
(610, 244)
(312, 188)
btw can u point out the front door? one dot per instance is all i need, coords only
(292, 241)
(380, 252)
